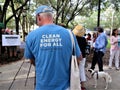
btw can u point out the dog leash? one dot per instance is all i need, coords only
(94, 73)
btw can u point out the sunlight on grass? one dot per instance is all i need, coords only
(108, 45)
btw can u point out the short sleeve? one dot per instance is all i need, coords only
(28, 53)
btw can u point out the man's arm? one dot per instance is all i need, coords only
(79, 59)
(32, 61)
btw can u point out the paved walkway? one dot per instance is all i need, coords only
(115, 85)
(9, 71)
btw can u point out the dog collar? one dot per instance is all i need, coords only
(94, 73)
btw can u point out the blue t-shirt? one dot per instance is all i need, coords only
(51, 48)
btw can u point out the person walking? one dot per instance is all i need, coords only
(79, 31)
(99, 49)
(114, 49)
(49, 48)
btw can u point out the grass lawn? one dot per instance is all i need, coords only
(108, 45)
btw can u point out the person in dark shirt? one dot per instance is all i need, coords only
(79, 31)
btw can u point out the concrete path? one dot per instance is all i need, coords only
(115, 85)
(9, 71)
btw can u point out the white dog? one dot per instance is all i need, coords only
(96, 75)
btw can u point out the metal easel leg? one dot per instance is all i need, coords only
(15, 76)
(28, 74)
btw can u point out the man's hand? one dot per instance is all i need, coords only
(32, 61)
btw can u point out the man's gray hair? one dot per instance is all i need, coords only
(47, 14)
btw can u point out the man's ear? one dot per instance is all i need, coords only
(39, 18)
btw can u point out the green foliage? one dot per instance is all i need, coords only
(108, 45)
(67, 10)
(19, 1)
(116, 4)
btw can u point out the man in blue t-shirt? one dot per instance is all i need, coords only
(49, 48)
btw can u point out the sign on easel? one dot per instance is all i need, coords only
(10, 40)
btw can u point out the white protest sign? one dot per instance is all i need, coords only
(11, 40)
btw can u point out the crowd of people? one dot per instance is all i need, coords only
(10, 50)
(49, 49)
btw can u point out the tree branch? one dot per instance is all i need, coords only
(15, 11)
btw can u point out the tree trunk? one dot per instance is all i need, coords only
(17, 25)
(98, 22)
